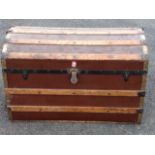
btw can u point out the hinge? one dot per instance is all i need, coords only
(126, 75)
(141, 94)
(140, 110)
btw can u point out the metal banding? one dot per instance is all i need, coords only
(125, 73)
(80, 71)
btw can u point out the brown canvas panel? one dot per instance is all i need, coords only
(62, 100)
(85, 82)
(74, 116)
(63, 64)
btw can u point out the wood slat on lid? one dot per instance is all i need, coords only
(101, 31)
(83, 37)
(76, 42)
(73, 49)
(74, 56)
(61, 39)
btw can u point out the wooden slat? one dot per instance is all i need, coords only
(3, 63)
(5, 81)
(76, 42)
(143, 87)
(145, 51)
(75, 28)
(71, 49)
(145, 76)
(71, 92)
(73, 109)
(73, 37)
(78, 31)
(7, 95)
(73, 56)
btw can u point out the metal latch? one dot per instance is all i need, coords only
(74, 72)
(73, 75)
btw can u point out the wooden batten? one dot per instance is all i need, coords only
(143, 87)
(76, 42)
(10, 114)
(3, 62)
(7, 95)
(79, 31)
(73, 109)
(72, 56)
(82, 92)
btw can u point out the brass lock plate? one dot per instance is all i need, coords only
(73, 75)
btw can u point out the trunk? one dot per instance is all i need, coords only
(75, 73)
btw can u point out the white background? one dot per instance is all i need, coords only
(110, 9)
(77, 145)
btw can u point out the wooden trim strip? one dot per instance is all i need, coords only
(7, 95)
(75, 28)
(145, 52)
(5, 81)
(3, 63)
(145, 76)
(77, 42)
(73, 109)
(143, 87)
(73, 56)
(84, 92)
(77, 31)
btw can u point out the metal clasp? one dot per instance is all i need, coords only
(74, 75)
